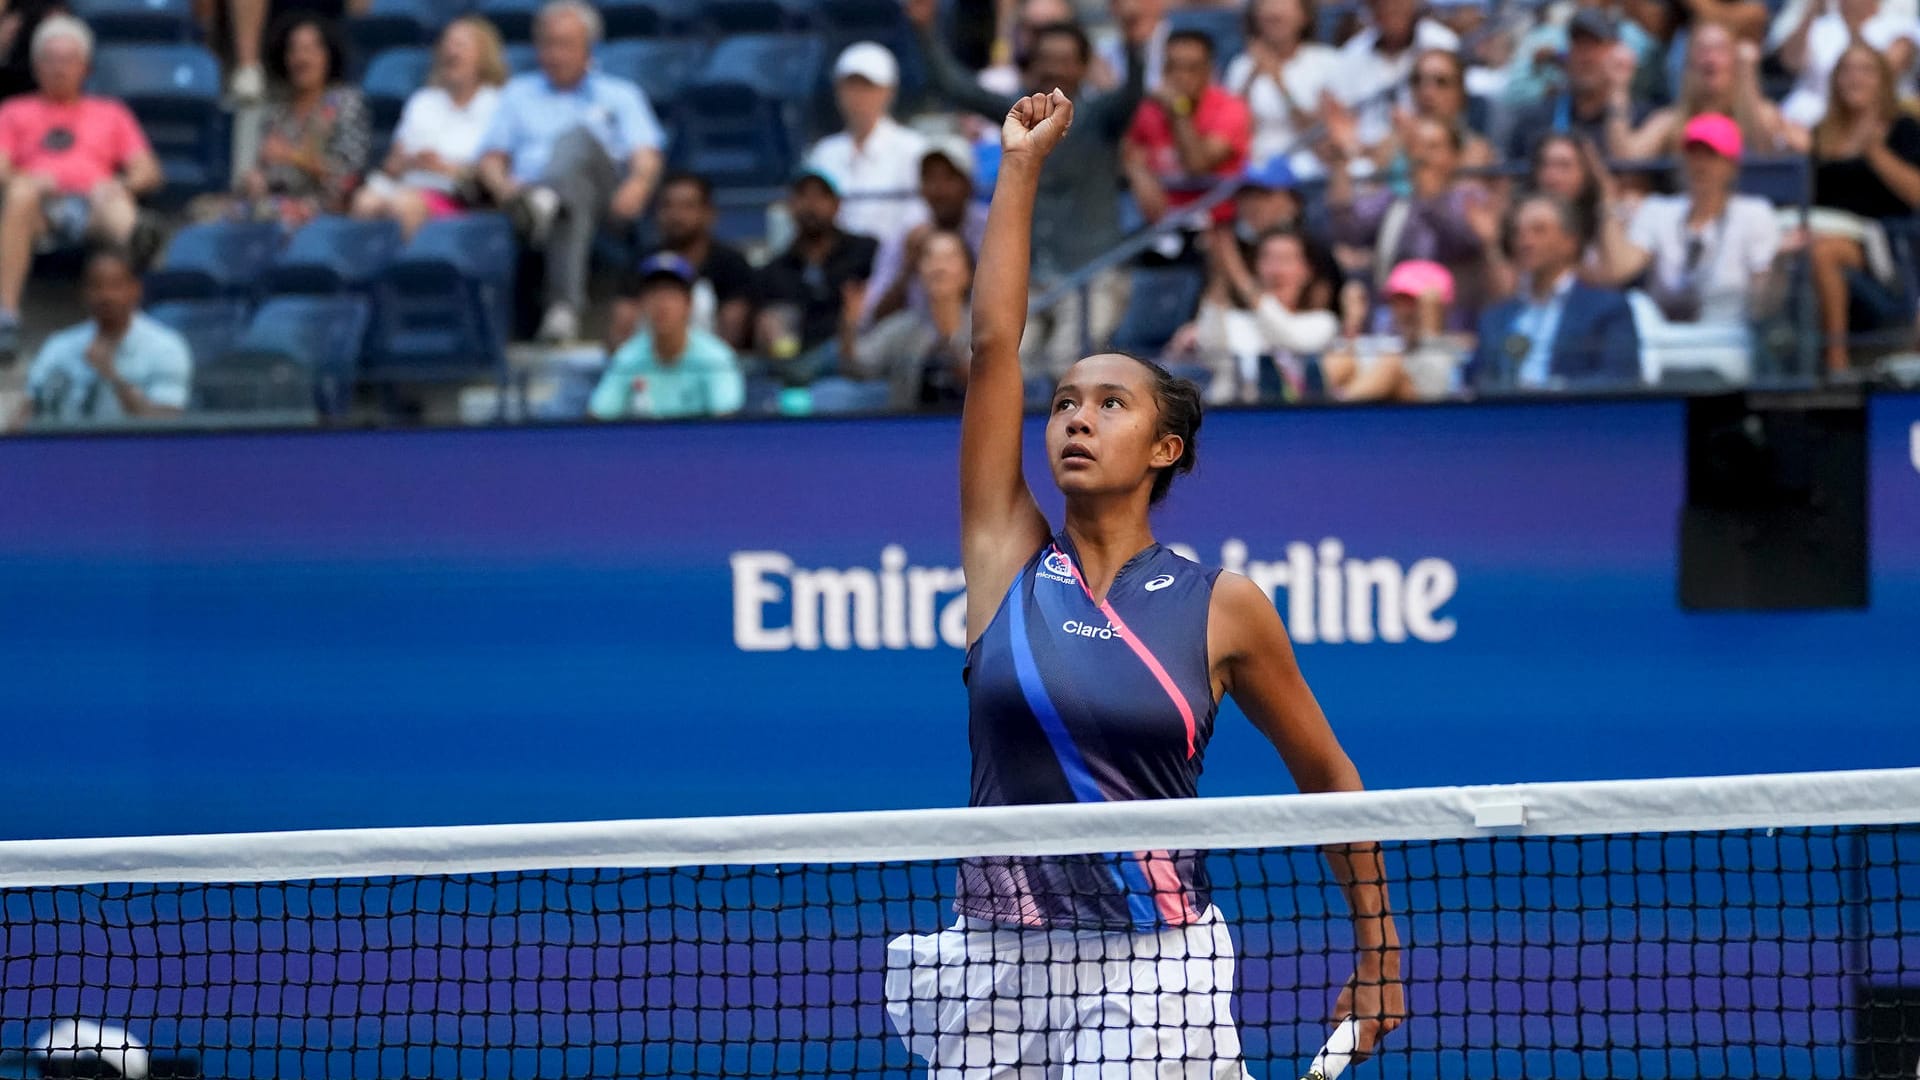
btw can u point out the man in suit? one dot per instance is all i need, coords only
(1555, 332)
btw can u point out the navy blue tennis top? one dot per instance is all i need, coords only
(1075, 701)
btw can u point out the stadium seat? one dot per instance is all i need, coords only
(521, 58)
(661, 66)
(255, 384)
(724, 18)
(174, 90)
(210, 326)
(395, 24)
(392, 78)
(625, 19)
(734, 136)
(334, 254)
(784, 67)
(834, 394)
(1783, 181)
(740, 214)
(322, 334)
(513, 18)
(1163, 298)
(221, 260)
(445, 303)
(118, 22)
(763, 396)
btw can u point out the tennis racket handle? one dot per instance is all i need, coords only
(1333, 1058)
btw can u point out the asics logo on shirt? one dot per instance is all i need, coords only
(1160, 582)
(1077, 628)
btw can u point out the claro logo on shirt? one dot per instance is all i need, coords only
(1076, 628)
(1328, 596)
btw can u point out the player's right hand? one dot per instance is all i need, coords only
(1377, 998)
(1036, 124)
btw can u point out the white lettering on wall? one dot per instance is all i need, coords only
(1332, 597)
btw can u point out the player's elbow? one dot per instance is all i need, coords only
(1325, 771)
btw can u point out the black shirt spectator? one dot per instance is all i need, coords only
(724, 285)
(823, 274)
(1851, 184)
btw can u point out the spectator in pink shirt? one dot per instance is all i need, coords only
(71, 165)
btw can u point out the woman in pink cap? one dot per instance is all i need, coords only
(1413, 360)
(1703, 259)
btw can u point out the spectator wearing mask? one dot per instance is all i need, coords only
(1815, 45)
(1076, 217)
(119, 363)
(1413, 358)
(946, 205)
(812, 292)
(1188, 135)
(1373, 69)
(314, 144)
(1282, 76)
(671, 368)
(723, 280)
(875, 161)
(1273, 313)
(437, 142)
(1703, 258)
(1556, 332)
(1722, 76)
(72, 165)
(569, 147)
(1434, 221)
(1598, 75)
(1015, 41)
(924, 351)
(1866, 169)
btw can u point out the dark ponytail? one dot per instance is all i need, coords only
(1180, 414)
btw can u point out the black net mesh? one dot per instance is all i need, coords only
(1766, 953)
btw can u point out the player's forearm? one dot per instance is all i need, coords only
(1000, 285)
(1361, 873)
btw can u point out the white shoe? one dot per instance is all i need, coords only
(248, 85)
(559, 326)
(542, 207)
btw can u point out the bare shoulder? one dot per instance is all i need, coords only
(1240, 617)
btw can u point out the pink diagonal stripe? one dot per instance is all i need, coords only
(1140, 650)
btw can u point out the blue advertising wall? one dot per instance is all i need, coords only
(238, 631)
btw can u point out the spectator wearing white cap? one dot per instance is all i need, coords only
(946, 205)
(875, 162)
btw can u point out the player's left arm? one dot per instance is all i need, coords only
(1252, 659)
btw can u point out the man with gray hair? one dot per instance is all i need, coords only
(70, 164)
(569, 146)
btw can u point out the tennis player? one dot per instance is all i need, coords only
(1097, 662)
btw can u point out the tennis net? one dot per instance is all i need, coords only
(1762, 926)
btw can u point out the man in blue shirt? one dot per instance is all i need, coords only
(669, 369)
(557, 150)
(1555, 332)
(119, 363)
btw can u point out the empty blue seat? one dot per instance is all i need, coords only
(445, 303)
(785, 67)
(834, 394)
(661, 66)
(393, 24)
(730, 17)
(639, 19)
(334, 254)
(513, 18)
(210, 326)
(1783, 181)
(1162, 300)
(323, 334)
(261, 385)
(392, 78)
(127, 21)
(174, 90)
(734, 136)
(220, 260)
(882, 21)
(740, 214)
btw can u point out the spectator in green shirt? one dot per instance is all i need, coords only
(669, 369)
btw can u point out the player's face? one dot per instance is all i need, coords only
(1103, 435)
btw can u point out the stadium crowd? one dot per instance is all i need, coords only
(775, 205)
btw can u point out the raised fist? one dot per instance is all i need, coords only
(1036, 124)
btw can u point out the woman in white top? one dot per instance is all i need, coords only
(1825, 30)
(437, 143)
(1264, 313)
(1282, 75)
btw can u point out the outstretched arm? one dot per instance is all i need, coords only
(1253, 660)
(1000, 524)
